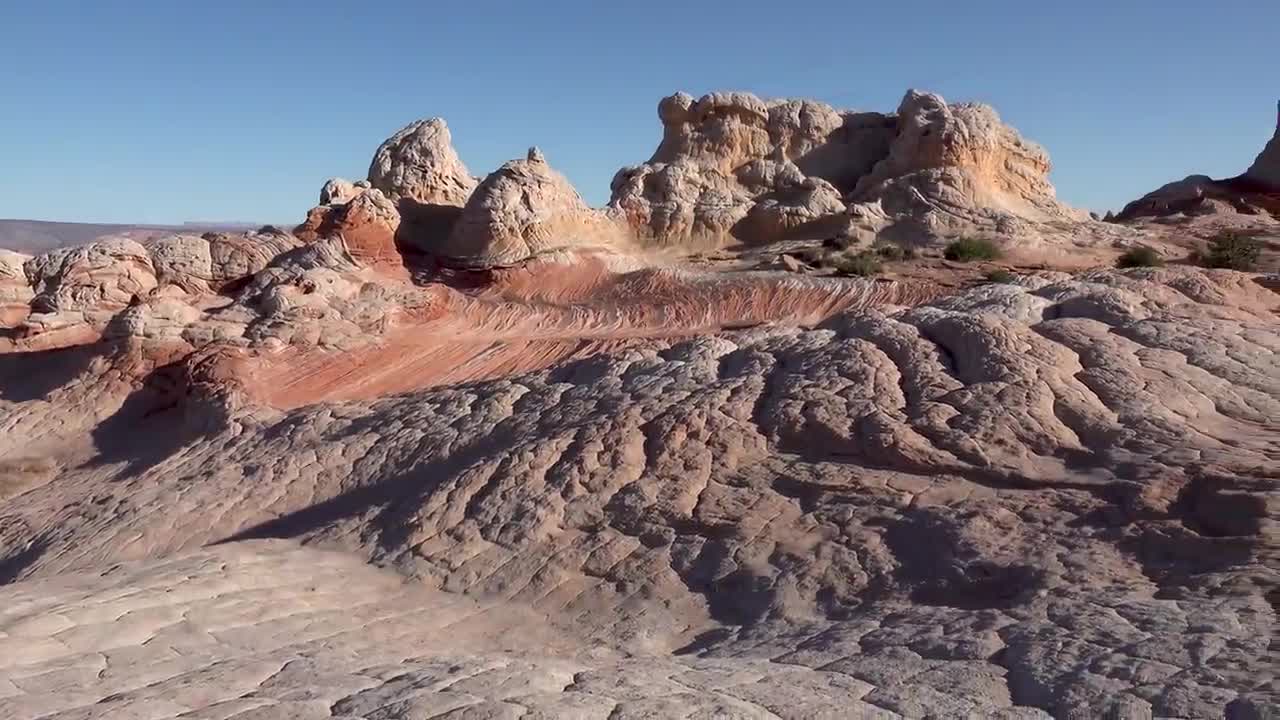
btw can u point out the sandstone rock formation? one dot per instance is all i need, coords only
(1266, 168)
(369, 223)
(522, 209)
(416, 188)
(237, 255)
(732, 166)
(337, 191)
(86, 285)
(255, 476)
(952, 168)
(1049, 498)
(419, 163)
(15, 293)
(1255, 193)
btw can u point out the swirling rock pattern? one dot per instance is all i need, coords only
(1049, 498)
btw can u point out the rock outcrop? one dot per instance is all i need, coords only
(420, 164)
(203, 264)
(1255, 193)
(15, 292)
(416, 189)
(238, 255)
(369, 223)
(87, 285)
(956, 168)
(1048, 498)
(183, 261)
(1266, 167)
(337, 191)
(732, 167)
(523, 209)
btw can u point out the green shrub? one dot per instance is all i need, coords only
(967, 249)
(1140, 256)
(1000, 275)
(863, 264)
(1232, 250)
(894, 253)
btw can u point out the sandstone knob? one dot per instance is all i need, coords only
(522, 209)
(419, 163)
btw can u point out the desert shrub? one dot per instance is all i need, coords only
(893, 253)
(967, 249)
(1140, 256)
(1000, 275)
(1232, 250)
(863, 264)
(811, 256)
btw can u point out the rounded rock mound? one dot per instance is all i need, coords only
(420, 164)
(522, 209)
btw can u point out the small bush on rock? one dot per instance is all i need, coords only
(863, 264)
(1232, 250)
(967, 249)
(894, 253)
(1141, 256)
(1000, 275)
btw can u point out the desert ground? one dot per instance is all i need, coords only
(826, 414)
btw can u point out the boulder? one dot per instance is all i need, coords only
(522, 209)
(798, 205)
(86, 285)
(420, 164)
(679, 203)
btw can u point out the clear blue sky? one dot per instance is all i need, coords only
(138, 111)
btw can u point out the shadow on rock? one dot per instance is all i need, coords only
(33, 375)
(939, 565)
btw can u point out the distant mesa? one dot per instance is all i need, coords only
(37, 236)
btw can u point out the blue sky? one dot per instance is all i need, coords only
(120, 111)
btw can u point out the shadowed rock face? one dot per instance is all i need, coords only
(1047, 498)
(1266, 168)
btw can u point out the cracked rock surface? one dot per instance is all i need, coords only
(1049, 498)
